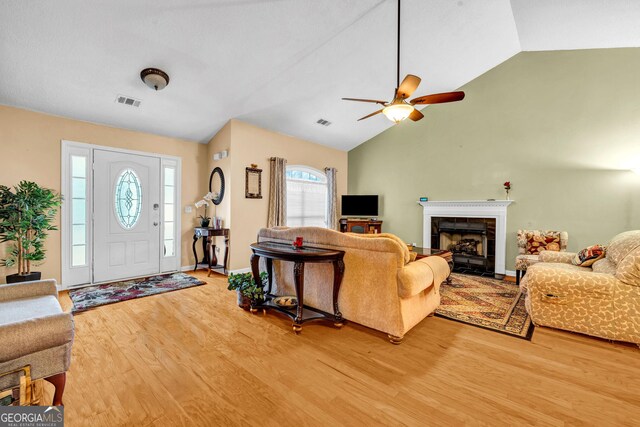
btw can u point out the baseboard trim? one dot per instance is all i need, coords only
(240, 270)
(510, 273)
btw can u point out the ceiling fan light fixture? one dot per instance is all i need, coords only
(397, 112)
(154, 78)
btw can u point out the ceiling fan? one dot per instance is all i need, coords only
(399, 109)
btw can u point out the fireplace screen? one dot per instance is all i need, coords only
(471, 240)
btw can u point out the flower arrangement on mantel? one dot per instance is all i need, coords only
(507, 188)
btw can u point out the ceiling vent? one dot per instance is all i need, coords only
(323, 122)
(126, 100)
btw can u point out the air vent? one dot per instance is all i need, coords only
(126, 100)
(323, 122)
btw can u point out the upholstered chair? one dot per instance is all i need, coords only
(602, 300)
(532, 242)
(35, 332)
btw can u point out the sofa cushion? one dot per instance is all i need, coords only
(604, 266)
(33, 324)
(589, 255)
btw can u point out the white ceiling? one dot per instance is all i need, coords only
(279, 64)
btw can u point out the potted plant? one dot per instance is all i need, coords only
(204, 219)
(27, 213)
(249, 292)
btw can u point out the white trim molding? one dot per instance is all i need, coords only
(496, 209)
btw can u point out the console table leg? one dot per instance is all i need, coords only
(195, 253)
(298, 272)
(269, 274)
(338, 273)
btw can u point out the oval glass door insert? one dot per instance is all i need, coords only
(128, 199)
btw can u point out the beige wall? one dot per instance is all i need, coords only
(251, 144)
(563, 127)
(30, 147)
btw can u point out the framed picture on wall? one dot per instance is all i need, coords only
(253, 183)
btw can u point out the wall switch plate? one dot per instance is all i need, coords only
(188, 209)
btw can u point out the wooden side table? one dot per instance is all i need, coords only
(299, 256)
(209, 259)
(427, 252)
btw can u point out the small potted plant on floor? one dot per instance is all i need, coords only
(27, 214)
(249, 292)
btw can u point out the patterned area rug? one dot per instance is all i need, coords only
(94, 296)
(486, 302)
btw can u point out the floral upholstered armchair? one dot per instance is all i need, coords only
(532, 242)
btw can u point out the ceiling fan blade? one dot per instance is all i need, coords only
(416, 115)
(438, 98)
(369, 115)
(408, 86)
(365, 100)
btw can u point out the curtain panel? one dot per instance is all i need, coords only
(277, 193)
(332, 198)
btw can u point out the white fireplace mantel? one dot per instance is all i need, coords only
(496, 209)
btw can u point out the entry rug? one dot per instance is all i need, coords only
(109, 293)
(487, 303)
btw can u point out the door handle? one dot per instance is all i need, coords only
(155, 223)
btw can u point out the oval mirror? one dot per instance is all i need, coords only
(216, 185)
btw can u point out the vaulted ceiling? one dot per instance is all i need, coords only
(279, 64)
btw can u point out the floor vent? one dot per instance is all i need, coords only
(323, 122)
(126, 100)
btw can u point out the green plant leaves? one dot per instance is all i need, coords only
(27, 213)
(245, 284)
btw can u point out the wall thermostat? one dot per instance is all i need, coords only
(424, 199)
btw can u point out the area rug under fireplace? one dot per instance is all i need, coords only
(487, 303)
(109, 293)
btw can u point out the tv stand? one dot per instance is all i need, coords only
(360, 225)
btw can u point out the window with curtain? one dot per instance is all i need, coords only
(306, 197)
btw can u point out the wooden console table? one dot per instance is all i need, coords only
(299, 256)
(362, 226)
(209, 259)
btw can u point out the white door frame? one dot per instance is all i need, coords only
(84, 273)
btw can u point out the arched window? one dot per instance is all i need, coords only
(306, 197)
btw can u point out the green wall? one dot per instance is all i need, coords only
(563, 127)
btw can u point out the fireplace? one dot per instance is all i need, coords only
(472, 209)
(471, 240)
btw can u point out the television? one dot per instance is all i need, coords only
(360, 206)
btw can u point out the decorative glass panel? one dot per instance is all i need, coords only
(128, 199)
(79, 188)
(78, 166)
(168, 212)
(169, 250)
(79, 235)
(78, 255)
(78, 215)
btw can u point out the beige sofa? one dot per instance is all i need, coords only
(602, 301)
(35, 332)
(381, 288)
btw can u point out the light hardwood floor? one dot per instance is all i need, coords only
(192, 357)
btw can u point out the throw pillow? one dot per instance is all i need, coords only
(589, 255)
(538, 243)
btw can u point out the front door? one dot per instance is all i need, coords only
(126, 223)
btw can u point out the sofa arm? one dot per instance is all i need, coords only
(560, 283)
(37, 288)
(557, 257)
(419, 275)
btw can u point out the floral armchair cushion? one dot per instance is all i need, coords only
(532, 242)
